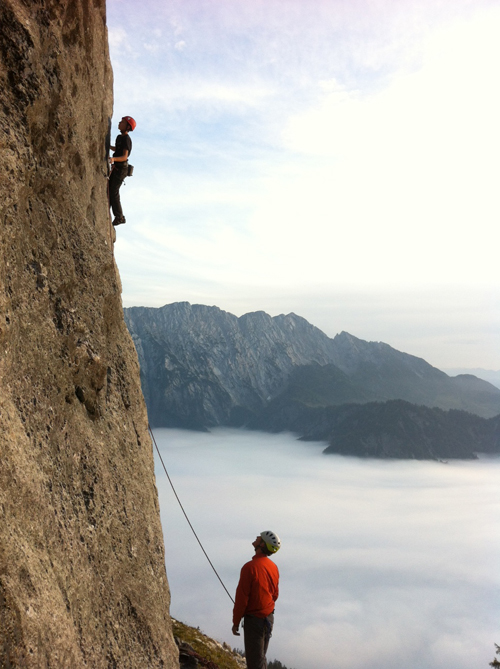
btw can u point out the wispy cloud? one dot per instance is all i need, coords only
(338, 144)
(118, 39)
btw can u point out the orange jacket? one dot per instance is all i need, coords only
(257, 590)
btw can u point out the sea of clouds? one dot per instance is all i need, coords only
(383, 563)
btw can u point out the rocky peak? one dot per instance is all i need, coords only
(202, 366)
(352, 353)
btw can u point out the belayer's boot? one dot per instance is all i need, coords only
(119, 220)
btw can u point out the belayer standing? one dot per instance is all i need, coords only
(256, 595)
(119, 163)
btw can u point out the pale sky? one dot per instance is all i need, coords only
(337, 159)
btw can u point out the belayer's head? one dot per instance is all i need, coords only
(267, 543)
(127, 124)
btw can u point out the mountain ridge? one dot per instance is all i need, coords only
(490, 375)
(202, 367)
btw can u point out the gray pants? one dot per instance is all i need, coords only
(257, 632)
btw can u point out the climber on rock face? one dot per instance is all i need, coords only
(119, 163)
(256, 595)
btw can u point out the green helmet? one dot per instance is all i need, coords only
(272, 541)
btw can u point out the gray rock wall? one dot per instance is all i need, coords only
(82, 574)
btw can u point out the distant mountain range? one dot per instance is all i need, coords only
(203, 367)
(490, 375)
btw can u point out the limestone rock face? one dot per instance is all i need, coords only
(82, 573)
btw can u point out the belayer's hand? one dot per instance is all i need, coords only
(235, 630)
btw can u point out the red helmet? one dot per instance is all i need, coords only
(131, 122)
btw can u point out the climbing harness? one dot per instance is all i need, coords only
(185, 514)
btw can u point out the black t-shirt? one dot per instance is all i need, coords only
(123, 143)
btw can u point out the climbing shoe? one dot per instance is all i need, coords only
(119, 221)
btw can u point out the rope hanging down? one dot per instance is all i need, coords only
(185, 514)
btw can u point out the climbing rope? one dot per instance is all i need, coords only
(110, 221)
(185, 514)
(107, 175)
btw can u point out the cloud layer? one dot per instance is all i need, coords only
(383, 564)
